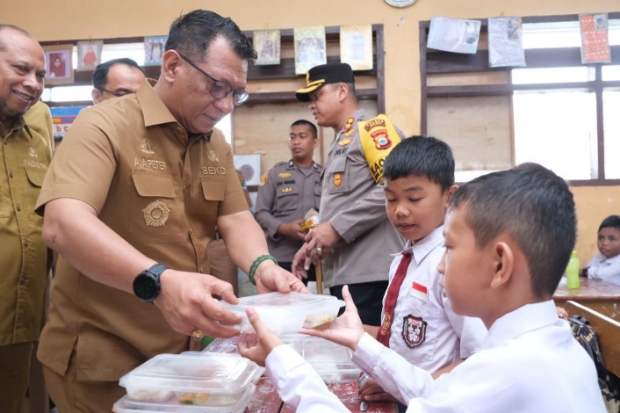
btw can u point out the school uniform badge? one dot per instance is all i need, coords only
(156, 214)
(414, 331)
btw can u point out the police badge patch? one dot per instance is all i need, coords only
(414, 330)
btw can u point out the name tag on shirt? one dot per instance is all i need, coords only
(419, 291)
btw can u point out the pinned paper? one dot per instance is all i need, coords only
(506, 42)
(594, 38)
(154, 48)
(267, 46)
(356, 46)
(454, 35)
(310, 49)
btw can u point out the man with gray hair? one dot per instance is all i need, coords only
(131, 205)
(25, 129)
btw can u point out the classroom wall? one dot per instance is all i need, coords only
(83, 19)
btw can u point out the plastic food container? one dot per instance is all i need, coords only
(332, 361)
(202, 379)
(126, 405)
(287, 313)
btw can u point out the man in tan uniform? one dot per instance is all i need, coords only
(131, 203)
(116, 78)
(354, 233)
(287, 192)
(26, 131)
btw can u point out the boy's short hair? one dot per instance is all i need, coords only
(422, 156)
(311, 126)
(612, 221)
(535, 207)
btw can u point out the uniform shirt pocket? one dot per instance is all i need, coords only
(154, 209)
(32, 188)
(420, 329)
(287, 199)
(338, 176)
(214, 193)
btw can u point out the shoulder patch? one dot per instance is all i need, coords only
(378, 137)
(263, 179)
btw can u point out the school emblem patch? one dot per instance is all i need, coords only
(156, 214)
(284, 175)
(414, 331)
(337, 179)
(381, 138)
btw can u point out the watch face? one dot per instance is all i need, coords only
(145, 287)
(400, 3)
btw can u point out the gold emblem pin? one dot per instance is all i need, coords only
(32, 152)
(213, 156)
(147, 146)
(287, 189)
(156, 214)
(284, 175)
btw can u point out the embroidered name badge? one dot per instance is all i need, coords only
(419, 291)
(337, 179)
(156, 214)
(414, 331)
(284, 175)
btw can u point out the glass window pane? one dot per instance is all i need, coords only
(133, 51)
(71, 93)
(557, 130)
(553, 75)
(611, 103)
(611, 73)
(547, 35)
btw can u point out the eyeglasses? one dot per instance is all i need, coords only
(117, 93)
(220, 88)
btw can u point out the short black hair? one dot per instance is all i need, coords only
(310, 125)
(100, 75)
(192, 33)
(612, 221)
(535, 207)
(422, 156)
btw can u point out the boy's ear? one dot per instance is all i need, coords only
(503, 264)
(448, 194)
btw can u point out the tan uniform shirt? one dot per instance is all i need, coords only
(354, 202)
(159, 189)
(288, 193)
(25, 155)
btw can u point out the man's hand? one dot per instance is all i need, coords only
(301, 263)
(371, 392)
(322, 236)
(269, 278)
(346, 330)
(187, 304)
(293, 230)
(257, 347)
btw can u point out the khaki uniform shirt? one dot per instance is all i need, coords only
(286, 194)
(25, 155)
(159, 189)
(354, 202)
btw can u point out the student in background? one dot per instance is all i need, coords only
(509, 236)
(417, 320)
(606, 264)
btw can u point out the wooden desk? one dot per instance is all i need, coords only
(267, 400)
(598, 295)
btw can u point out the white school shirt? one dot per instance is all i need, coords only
(606, 269)
(530, 363)
(425, 330)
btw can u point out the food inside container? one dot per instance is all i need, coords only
(287, 313)
(332, 361)
(204, 379)
(127, 405)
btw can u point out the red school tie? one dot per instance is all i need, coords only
(383, 335)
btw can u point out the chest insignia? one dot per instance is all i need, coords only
(213, 156)
(284, 175)
(156, 214)
(414, 331)
(337, 179)
(287, 189)
(345, 142)
(147, 146)
(32, 152)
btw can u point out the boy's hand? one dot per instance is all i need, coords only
(346, 330)
(257, 347)
(372, 392)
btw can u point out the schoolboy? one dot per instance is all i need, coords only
(606, 264)
(509, 236)
(417, 319)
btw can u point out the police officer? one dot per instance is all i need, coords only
(131, 204)
(354, 235)
(287, 192)
(25, 154)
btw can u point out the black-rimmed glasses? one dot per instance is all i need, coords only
(220, 88)
(118, 93)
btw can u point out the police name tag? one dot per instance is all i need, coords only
(419, 291)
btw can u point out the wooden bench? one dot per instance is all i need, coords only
(608, 331)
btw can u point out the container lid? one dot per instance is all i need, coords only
(292, 300)
(126, 405)
(321, 354)
(206, 372)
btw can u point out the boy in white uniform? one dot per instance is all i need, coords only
(509, 236)
(606, 264)
(417, 321)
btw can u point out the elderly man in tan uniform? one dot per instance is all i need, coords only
(131, 203)
(287, 192)
(354, 235)
(26, 131)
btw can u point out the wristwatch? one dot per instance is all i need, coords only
(146, 285)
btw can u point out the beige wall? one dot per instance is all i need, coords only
(84, 19)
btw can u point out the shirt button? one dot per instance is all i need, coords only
(22, 280)
(26, 242)
(19, 208)
(10, 174)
